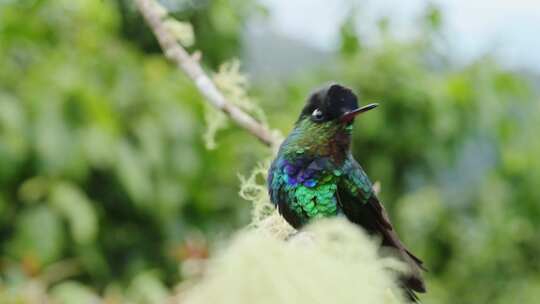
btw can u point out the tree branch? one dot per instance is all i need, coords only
(154, 14)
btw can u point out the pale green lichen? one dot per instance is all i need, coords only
(233, 84)
(253, 188)
(215, 121)
(182, 31)
(331, 262)
(264, 216)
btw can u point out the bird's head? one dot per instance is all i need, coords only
(335, 105)
(325, 124)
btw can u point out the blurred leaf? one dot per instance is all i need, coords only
(38, 236)
(147, 288)
(73, 292)
(77, 209)
(350, 42)
(133, 174)
(34, 189)
(433, 17)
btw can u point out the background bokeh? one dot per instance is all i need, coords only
(107, 185)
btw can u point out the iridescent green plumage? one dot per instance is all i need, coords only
(324, 147)
(314, 197)
(315, 175)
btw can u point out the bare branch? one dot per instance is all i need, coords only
(154, 14)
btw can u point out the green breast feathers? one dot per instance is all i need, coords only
(308, 188)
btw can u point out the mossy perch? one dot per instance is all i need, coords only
(331, 262)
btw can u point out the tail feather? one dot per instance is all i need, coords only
(412, 279)
(372, 216)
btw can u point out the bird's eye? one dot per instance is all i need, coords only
(317, 114)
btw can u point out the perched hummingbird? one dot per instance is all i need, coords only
(315, 175)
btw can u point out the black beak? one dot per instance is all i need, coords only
(350, 115)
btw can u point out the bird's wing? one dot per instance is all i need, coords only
(361, 206)
(279, 191)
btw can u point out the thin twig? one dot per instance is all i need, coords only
(154, 14)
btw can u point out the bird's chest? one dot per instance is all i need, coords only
(307, 187)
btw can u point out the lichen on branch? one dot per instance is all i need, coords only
(168, 33)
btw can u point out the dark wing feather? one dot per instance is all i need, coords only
(361, 206)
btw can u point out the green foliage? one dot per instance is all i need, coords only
(101, 156)
(38, 236)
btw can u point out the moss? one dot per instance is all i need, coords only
(331, 262)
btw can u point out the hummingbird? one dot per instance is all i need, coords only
(315, 175)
